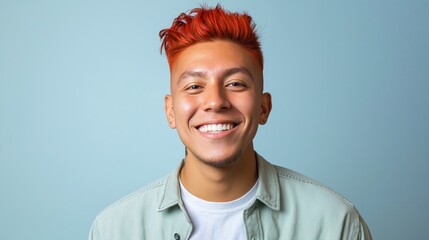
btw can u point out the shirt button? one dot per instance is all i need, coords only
(176, 236)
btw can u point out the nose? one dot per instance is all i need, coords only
(215, 98)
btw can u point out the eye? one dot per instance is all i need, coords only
(237, 85)
(193, 88)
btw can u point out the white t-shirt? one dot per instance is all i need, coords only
(218, 220)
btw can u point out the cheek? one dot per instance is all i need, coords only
(248, 106)
(184, 108)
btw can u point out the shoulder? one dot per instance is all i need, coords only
(142, 200)
(139, 215)
(286, 185)
(304, 182)
(315, 208)
(305, 189)
(288, 189)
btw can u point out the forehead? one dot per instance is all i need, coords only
(214, 57)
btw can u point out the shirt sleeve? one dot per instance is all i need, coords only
(364, 233)
(93, 232)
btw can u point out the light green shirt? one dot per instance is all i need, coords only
(288, 206)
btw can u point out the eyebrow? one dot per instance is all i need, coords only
(192, 73)
(226, 73)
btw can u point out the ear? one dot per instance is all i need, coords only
(169, 111)
(265, 108)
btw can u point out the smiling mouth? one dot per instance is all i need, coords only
(214, 128)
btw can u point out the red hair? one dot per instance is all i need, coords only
(205, 24)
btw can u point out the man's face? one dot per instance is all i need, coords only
(216, 101)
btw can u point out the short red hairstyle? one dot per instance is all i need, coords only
(207, 24)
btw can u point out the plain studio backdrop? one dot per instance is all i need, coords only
(81, 106)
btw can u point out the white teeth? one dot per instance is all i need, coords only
(216, 127)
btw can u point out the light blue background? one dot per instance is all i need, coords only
(82, 122)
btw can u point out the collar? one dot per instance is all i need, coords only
(268, 190)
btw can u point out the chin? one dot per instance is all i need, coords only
(220, 161)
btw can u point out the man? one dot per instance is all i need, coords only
(223, 189)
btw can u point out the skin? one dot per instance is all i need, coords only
(217, 82)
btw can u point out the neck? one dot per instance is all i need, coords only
(220, 184)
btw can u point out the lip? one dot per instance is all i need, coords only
(216, 122)
(220, 134)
